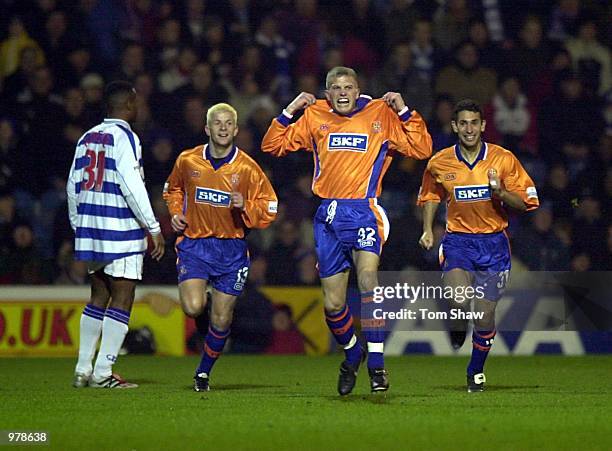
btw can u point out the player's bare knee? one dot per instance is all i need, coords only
(367, 280)
(487, 322)
(333, 301)
(192, 309)
(221, 321)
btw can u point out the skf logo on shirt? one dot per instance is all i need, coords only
(472, 193)
(352, 142)
(212, 197)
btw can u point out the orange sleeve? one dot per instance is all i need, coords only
(282, 137)
(430, 191)
(174, 190)
(261, 203)
(516, 180)
(409, 135)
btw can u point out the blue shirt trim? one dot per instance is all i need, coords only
(481, 154)
(220, 162)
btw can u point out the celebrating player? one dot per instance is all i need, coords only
(353, 139)
(214, 193)
(108, 206)
(478, 180)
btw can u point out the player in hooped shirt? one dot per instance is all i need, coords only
(478, 181)
(214, 193)
(352, 139)
(110, 213)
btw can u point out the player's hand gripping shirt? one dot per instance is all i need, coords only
(465, 187)
(203, 194)
(351, 153)
(108, 205)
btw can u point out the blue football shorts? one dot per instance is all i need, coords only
(344, 225)
(485, 255)
(224, 263)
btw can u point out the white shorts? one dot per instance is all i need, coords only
(129, 267)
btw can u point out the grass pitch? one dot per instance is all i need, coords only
(270, 402)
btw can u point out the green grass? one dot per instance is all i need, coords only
(264, 402)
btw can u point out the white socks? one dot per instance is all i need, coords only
(113, 333)
(88, 341)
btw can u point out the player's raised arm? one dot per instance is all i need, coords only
(410, 136)
(260, 201)
(283, 137)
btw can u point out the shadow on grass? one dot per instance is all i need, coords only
(372, 398)
(234, 387)
(492, 388)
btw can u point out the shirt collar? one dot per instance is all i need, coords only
(220, 162)
(482, 155)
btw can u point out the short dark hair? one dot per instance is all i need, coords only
(116, 94)
(466, 105)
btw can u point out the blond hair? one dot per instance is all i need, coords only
(339, 71)
(218, 108)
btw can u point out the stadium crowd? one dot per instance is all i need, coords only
(541, 69)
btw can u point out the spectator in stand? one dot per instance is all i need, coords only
(557, 123)
(399, 74)
(56, 40)
(531, 53)
(9, 143)
(427, 56)
(11, 47)
(78, 65)
(217, 49)
(510, 118)
(590, 230)
(72, 272)
(286, 337)
(283, 253)
(202, 85)
(488, 51)
(590, 58)
(442, 134)
(42, 115)
(400, 18)
(23, 264)
(178, 71)
(548, 79)
(451, 23)
(92, 86)
(16, 85)
(132, 62)
(276, 54)
(538, 246)
(189, 132)
(563, 19)
(558, 192)
(464, 78)
(158, 164)
(192, 20)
